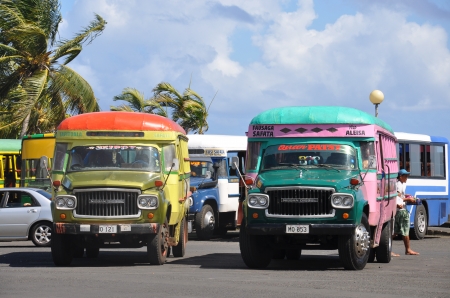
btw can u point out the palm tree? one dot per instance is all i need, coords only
(138, 103)
(34, 83)
(188, 108)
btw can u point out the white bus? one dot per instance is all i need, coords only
(426, 158)
(214, 183)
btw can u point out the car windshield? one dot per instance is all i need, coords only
(309, 155)
(114, 157)
(44, 193)
(201, 168)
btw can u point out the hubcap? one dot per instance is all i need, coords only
(421, 222)
(362, 240)
(209, 220)
(43, 234)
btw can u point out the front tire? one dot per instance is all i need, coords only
(158, 245)
(420, 223)
(180, 249)
(41, 234)
(354, 249)
(254, 250)
(61, 247)
(205, 222)
(384, 250)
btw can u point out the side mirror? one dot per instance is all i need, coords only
(175, 164)
(208, 175)
(43, 162)
(216, 165)
(234, 162)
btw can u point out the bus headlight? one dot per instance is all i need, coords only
(259, 201)
(342, 201)
(147, 202)
(66, 202)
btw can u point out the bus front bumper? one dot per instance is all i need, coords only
(314, 229)
(118, 229)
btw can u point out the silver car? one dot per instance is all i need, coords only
(25, 215)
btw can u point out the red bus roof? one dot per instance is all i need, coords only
(120, 121)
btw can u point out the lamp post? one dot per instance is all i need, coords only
(376, 97)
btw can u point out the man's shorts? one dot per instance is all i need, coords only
(401, 224)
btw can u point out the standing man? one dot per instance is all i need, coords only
(402, 224)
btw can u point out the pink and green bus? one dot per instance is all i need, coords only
(323, 178)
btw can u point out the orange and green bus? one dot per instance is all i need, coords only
(33, 148)
(9, 163)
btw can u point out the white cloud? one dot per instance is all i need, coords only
(146, 42)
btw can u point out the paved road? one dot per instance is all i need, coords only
(215, 269)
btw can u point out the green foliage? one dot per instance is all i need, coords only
(187, 109)
(37, 90)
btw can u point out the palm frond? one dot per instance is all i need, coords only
(94, 29)
(73, 88)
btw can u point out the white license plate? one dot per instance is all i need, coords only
(107, 229)
(297, 229)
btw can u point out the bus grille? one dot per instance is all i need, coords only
(307, 202)
(107, 202)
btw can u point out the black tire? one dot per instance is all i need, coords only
(254, 250)
(78, 251)
(354, 249)
(372, 255)
(179, 250)
(384, 250)
(293, 254)
(92, 251)
(279, 254)
(205, 222)
(420, 223)
(41, 234)
(158, 245)
(61, 247)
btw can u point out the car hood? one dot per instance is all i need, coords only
(116, 179)
(307, 177)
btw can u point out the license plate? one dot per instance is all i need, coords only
(107, 229)
(297, 229)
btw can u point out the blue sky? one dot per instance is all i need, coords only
(253, 55)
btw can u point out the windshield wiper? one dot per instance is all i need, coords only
(294, 165)
(326, 166)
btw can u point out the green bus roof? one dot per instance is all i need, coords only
(10, 145)
(317, 115)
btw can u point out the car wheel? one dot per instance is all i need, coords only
(354, 249)
(420, 223)
(205, 222)
(384, 250)
(255, 250)
(41, 234)
(158, 245)
(180, 249)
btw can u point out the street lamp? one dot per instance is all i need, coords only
(376, 97)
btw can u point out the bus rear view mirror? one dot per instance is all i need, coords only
(175, 164)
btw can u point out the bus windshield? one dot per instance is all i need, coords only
(309, 154)
(116, 157)
(201, 168)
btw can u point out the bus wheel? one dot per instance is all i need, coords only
(293, 254)
(420, 223)
(255, 251)
(384, 250)
(205, 221)
(354, 249)
(92, 251)
(180, 249)
(158, 245)
(279, 254)
(61, 247)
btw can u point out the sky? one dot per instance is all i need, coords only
(245, 57)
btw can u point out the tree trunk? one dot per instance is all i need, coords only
(25, 125)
